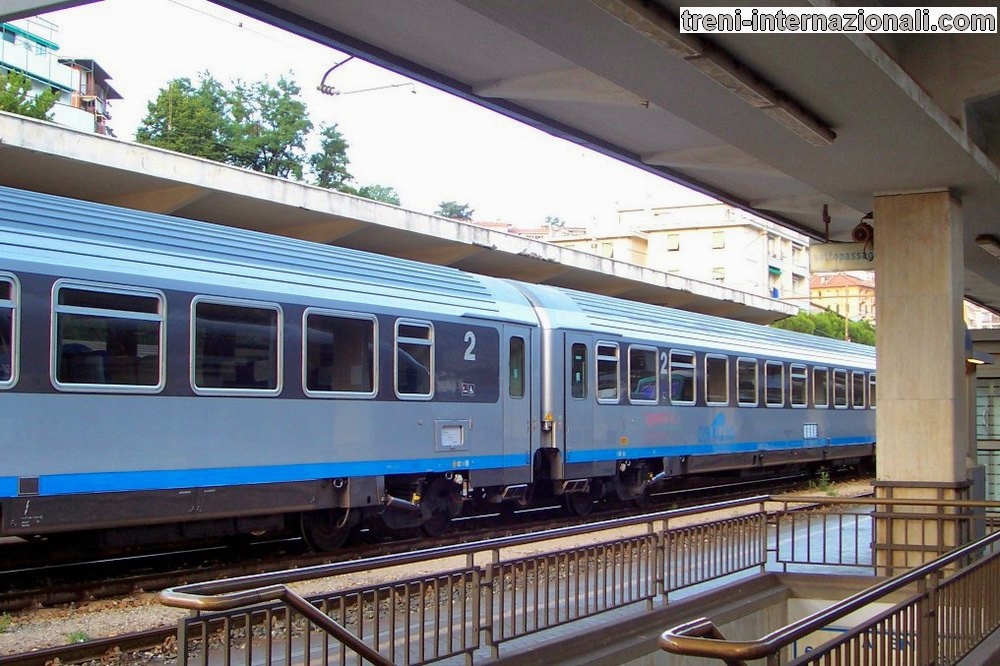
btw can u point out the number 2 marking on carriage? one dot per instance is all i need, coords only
(470, 351)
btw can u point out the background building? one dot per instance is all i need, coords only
(708, 242)
(849, 295)
(28, 46)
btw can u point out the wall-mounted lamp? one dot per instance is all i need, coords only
(989, 243)
(974, 357)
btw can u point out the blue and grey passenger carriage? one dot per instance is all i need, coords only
(162, 378)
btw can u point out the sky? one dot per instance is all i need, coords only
(429, 146)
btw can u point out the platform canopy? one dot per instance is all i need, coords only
(786, 126)
(783, 125)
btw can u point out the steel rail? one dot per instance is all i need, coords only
(243, 583)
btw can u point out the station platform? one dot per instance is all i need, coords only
(606, 593)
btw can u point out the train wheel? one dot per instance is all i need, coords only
(327, 530)
(444, 504)
(579, 504)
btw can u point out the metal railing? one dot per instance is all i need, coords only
(950, 604)
(479, 596)
(466, 601)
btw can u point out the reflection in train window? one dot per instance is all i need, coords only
(235, 346)
(578, 370)
(107, 336)
(515, 371)
(774, 384)
(607, 373)
(8, 331)
(871, 390)
(858, 390)
(643, 378)
(414, 359)
(798, 381)
(340, 353)
(716, 379)
(746, 381)
(682, 378)
(840, 388)
(821, 387)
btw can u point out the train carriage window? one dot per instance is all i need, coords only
(8, 331)
(578, 370)
(840, 389)
(608, 388)
(643, 378)
(516, 364)
(107, 336)
(682, 379)
(746, 382)
(774, 384)
(235, 346)
(871, 390)
(798, 381)
(821, 387)
(858, 390)
(414, 359)
(716, 379)
(340, 354)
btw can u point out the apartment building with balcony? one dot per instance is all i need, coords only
(708, 242)
(28, 46)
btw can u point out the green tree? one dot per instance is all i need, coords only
(801, 323)
(828, 325)
(16, 97)
(257, 126)
(454, 210)
(267, 127)
(862, 332)
(187, 119)
(381, 193)
(329, 165)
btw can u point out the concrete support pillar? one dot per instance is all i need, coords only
(922, 417)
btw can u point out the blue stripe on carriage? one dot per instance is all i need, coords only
(627, 451)
(60, 484)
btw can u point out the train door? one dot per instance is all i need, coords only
(518, 397)
(578, 423)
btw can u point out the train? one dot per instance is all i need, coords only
(164, 378)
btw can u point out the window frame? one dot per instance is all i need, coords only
(523, 367)
(756, 381)
(584, 381)
(872, 392)
(278, 351)
(430, 341)
(798, 371)
(374, 355)
(693, 365)
(816, 372)
(606, 358)
(767, 391)
(859, 376)
(715, 356)
(655, 373)
(842, 373)
(13, 304)
(56, 309)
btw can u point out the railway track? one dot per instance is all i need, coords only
(152, 574)
(45, 584)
